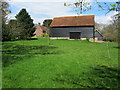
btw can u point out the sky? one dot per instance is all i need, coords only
(39, 10)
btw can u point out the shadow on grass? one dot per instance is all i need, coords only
(33, 39)
(13, 53)
(101, 77)
(107, 77)
(117, 47)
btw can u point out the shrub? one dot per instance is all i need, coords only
(45, 35)
(87, 39)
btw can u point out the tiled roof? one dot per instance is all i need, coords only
(43, 28)
(85, 20)
(39, 29)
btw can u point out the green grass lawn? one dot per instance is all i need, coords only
(62, 64)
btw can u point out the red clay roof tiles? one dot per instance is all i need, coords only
(85, 20)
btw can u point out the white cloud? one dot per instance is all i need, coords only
(102, 19)
(106, 0)
(46, 0)
(59, 0)
(105, 19)
(42, 10)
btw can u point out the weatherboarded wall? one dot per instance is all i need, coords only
(86, 32)
(99, 36)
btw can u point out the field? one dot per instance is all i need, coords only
(62, 64)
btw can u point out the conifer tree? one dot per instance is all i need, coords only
(25, 24)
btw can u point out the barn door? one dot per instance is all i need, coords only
(75, 35)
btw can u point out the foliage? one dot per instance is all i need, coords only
(4, 11)
(82, 6)
(45, 35)
(14, 29)
(4, 8)
(108, 7)
(65, 64)
(26, 24)
(22, 28)
(47, 22)
(111, 31)
(6, 36)
(10, 31)
(87, 39)
(99, 26)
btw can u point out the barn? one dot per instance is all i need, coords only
(73, 27)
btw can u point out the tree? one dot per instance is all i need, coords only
(82, 6)
(116, 23)
(4, 11)
(99, 26)
(47, 22)
(14, 29)
(26, 25)
(111, 31)
(115, 20)
(108, 7)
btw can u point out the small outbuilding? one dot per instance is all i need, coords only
(40, 30)
(73, 27)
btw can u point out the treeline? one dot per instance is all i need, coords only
(21, 28)
(111, 31)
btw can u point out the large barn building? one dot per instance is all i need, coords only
(73, 27)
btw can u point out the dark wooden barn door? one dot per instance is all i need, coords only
(75, 35)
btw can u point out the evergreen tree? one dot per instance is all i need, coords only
(26, 25)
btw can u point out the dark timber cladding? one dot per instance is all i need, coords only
(99, 35)
(74, 27)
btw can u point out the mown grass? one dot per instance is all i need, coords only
(62, 64)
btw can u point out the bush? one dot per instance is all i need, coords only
(87, 39)
(45, 35)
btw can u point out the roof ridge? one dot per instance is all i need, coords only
(74, 16)
(73, 21)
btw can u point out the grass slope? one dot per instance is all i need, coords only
(62, 64)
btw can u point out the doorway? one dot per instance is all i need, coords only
(75, 35)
